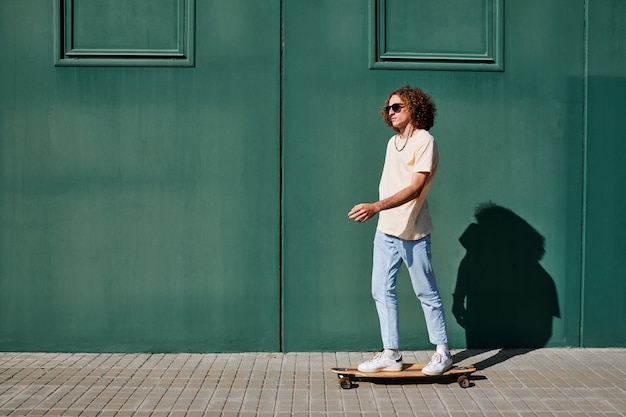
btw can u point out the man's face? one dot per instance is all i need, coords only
(399, 118)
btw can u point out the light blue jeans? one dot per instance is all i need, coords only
(389, 254)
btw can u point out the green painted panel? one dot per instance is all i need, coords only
(458, 35)
(127, 216)
(122, 33)
(512, 137)
(117, 24)
(604, 321)
(425, 25)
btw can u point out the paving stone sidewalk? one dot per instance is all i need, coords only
(544, 382)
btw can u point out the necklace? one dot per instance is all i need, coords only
(395, 142)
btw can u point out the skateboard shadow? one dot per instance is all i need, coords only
(423, 380)
(503, 297)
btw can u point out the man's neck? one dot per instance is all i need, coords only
(409, 131)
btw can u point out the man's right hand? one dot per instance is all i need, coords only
(363, 212)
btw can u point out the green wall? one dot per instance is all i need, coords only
(603, 304)
(197, 200)
(511, 137)
(140, 205)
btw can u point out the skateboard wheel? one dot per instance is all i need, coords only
(463, 381)
(345, 383)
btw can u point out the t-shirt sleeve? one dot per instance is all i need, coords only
(424, 156)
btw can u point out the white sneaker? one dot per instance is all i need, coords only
(381, 363)
(438, 365)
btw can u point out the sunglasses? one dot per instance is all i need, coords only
(395, 107)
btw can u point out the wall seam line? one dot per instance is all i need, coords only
(281, 226)
(585, 93)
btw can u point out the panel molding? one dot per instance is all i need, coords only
(489, 58)
(69, 53)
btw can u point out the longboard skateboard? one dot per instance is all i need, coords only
(349, 375)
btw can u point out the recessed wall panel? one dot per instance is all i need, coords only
(125, 33)
(429, 34)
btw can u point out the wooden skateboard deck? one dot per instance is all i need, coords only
(348, 375)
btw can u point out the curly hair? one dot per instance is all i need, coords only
(419, 105)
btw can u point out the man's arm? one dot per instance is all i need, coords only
(365, 211)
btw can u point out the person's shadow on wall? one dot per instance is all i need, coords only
(503, 298)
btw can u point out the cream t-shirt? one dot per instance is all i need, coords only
(410, 221)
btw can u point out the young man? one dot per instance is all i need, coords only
(404, 227)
